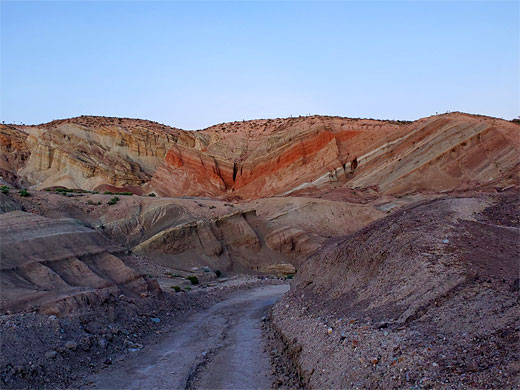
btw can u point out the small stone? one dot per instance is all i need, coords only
(102, 343)
(343, 336)
(445, 241)
(107, 361)
(155, 320)
(264, 318)
(329, 331)
(71, 345)
(50, 354)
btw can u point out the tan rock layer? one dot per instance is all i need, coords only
(58, 265)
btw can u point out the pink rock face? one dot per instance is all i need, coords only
(263, 158)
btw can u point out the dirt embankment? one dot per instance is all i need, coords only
(428, 298)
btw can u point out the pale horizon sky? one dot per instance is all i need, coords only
(195, 64)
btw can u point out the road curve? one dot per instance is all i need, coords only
(220, 348)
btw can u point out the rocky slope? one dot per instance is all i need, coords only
(427, 297)
(262, 158)
(57, 266)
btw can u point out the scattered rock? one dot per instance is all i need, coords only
(71, 345)
(51, 354)
(102, 343)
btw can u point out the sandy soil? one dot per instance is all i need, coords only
(218, 348)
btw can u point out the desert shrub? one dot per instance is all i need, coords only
(212, 207)
(176, 288)
(118, 193)
(218, 273)
(290, 276)
(113, 200)
(193, 279)
(23, 193)
(187, 288)
(4, 190)
(152, 195)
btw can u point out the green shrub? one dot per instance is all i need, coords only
(23, 193)
(218, 273)
(152, 195)
(118, 193)
(187, 288)
(114, 200)
(290, 276)
(193, 279)
(176, 288)
(4, 190)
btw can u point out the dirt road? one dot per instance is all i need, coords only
(220, 348)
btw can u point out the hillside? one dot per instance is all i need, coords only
(424, 298)
(263, 158)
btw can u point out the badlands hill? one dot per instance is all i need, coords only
(401, 235)
(263, 158)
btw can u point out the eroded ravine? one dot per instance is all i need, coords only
(218, 348)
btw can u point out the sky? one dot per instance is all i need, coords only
(194, 64)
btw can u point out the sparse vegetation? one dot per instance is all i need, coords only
(212, 207)
(118, 193)
(64, 190)
(218, 273)
(187, 288)
(152, 195)
(4, 190)
(176, 288)
(113, 200)
(193, 279)
(23, 193)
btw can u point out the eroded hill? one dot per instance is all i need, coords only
(263, 158)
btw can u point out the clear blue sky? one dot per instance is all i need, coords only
(193, 64)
